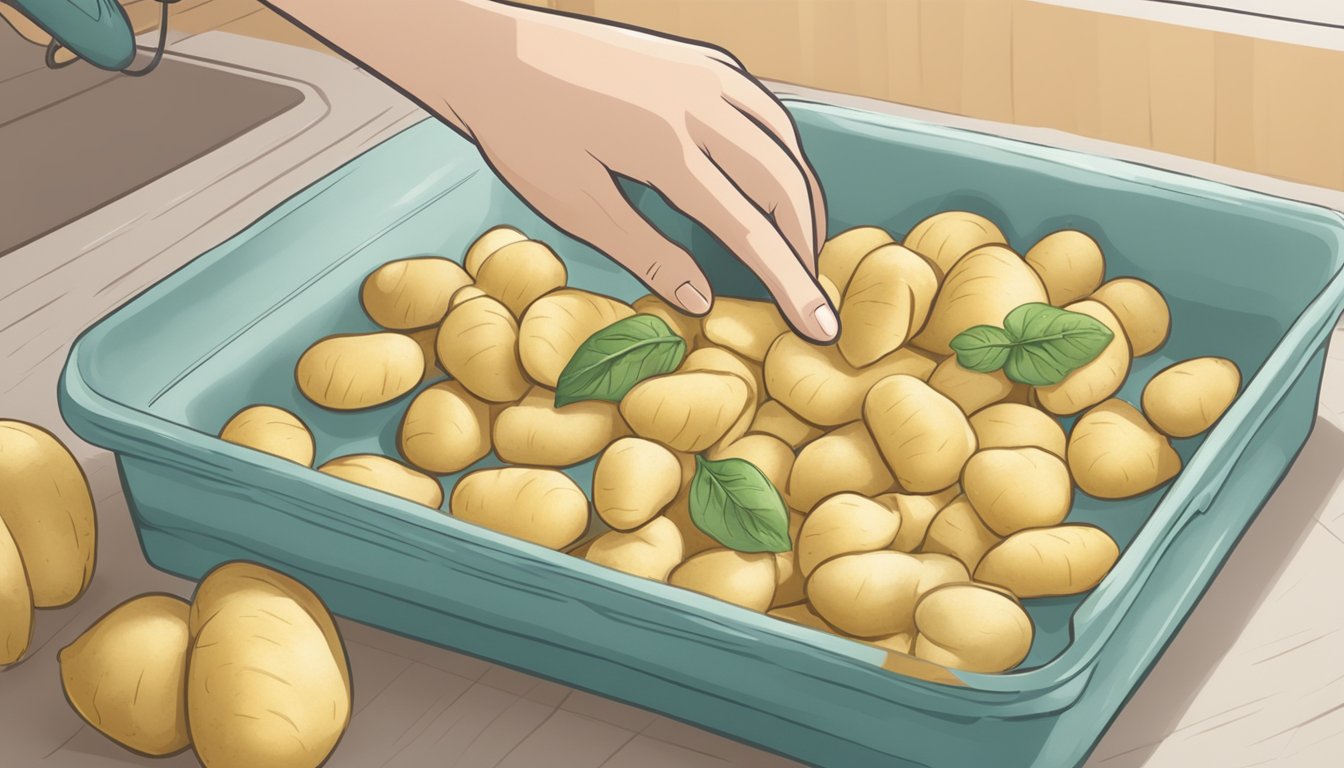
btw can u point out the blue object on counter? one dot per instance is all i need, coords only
(1247, 276)
(98, 31)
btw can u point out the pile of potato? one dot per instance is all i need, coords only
(923, 500)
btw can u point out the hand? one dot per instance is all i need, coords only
(33, 33)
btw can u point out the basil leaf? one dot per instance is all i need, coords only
(735, 504)
(612, 361)
(1038, 345)
(983, 348)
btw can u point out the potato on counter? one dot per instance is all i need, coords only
(16, 601)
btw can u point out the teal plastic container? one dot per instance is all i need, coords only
(1248, 277)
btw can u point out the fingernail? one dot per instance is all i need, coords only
(826, 321)
(692, 299)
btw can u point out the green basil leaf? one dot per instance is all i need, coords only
(612, 361)
(982, 348)
(735, 504)
(1049, 343)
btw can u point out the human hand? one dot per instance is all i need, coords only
(33, 33)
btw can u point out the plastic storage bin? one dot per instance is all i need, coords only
(1249, 277)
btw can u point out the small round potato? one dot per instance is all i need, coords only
(983, 287)
(688, 411)
(944, 238)
(718, 360)
(970, 390)
(520, 273)
(350, 372)
(844, 524)
(767, 453)
(684, 325)
(842, 254)
(536, 433)
(556, 325)
(774, 419)
(478, 345)
(1141, 310)
(939, 569)
(384, 474)
(1188, 397)
(745, 326)
(1098, 379)
(1114, 453)
(969, 627)
(1016, 488)
(917, 512)
(635, 479)
(1050, 562)
(1069, 263)
(886, 302)
(958, 531)
(845, 459)
(16, 601)
(446, 429)
(923, 436)
(428, 339)
(651, 551)
(463, 294)
(45, 502)
(789, 587)
(869, 594)
(1013, 425)
(412, 293)
(271, 430)
(489, 242)
(126, 675)
(743, 578)
(542, 506)
(819, 385)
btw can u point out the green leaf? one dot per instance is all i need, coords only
(612, 361)
(1038, 345)
(735, 504)
(983, 348)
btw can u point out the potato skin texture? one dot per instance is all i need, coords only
(774, 419)
(353, 372)
(945, 238)
(984, 286)
(842, 254)
(869, 594)
(719, 360)
(923, 436)
(821, 387)
(1114, 453)
(126, 674)
(844, 524)
(1141, 311)
(747, 327)
(970, 390)
(1187, 398)
(49, 512)
(846, 459)
(542, 506)
(536, 433)
(686, 411)
(684, 325)
(1016, 488)
(478, 346)
(958, 531)
(886, 302)
(969, 627)
(556, 324)
(634, 481)
(1049, 562)
(650, 551)
(16, 601)
(445, 429)
(413, 293)
(272, 430)
(484, 246)
(386, 475)
(917, 512)
(1069, 263)
(742, 578)
(772, 456)
(1014, 425)
(1098, 379)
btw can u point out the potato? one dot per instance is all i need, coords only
(900, 642)
(767, 453)
(843, 524)
(842, 254)
(462, 295)
(536, 433)
(743, 578)
(1188, 397)
(944, 238)
(126, 675)
(722, 361)
(923, 436)
(427, 339)
(556, 324)
(745, 326)
(489, 242)
(958, 531)
(832, 291)
(45, 502)
(1069, 263)
(970, 390)
(1141, 310)
(1049, 562)
(939, 569)
(651, 551)
(268, 682)
(886, 302)
(355, 371)
(1013, 425)
(984, 286)
(1114, 453)
(869, 594)
(384, 474)
(542, 506)
(16, 601)
(635, 479)
(478, 346)
(686, 411)
(788, 579)
(1016, 488)
(800, 613)
(414, 293)
(846, 459)
(270, 430)
(446, 429)
(774, 419)
(817, 384)
(684, 325)
(1095, 381)
(917, 512)
(693, 540)
(972, 628)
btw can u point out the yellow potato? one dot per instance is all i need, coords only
(446, 429)
(1095, 381)
(939, 569)
(846, 459)
(542, 506)
(767, 453)
(832, 291)
(651, 551)
(745, 326)
(427, 339)
(743, 578)
(684, 325)
(800, 613)
(970, 390)
(842, 254)
(969, 627)
(944, 238)
(886, 302)
(45, 502)
(384, 474)
(1016, 488)
(271, 430)
(16, 601)
(1188, 397)
(462, 295)
(693, 540)
(485, 245)
(686, 411)
(719, 360)
(1069, 263)
(126, 675)
(635, 479)
(536, 433)
(1049, 562)
(357, 371)
(1013, 425)
(411, 293)
(844, 524)
(869, 594)
(917, 512)
(816, 383)
(1114, 453)
(923, 436)
(984, 286)
(788, 579)
(1141, 310)
(958, 531)
(774, 419)
(901, 642)
(556, 325)
(478, 346)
